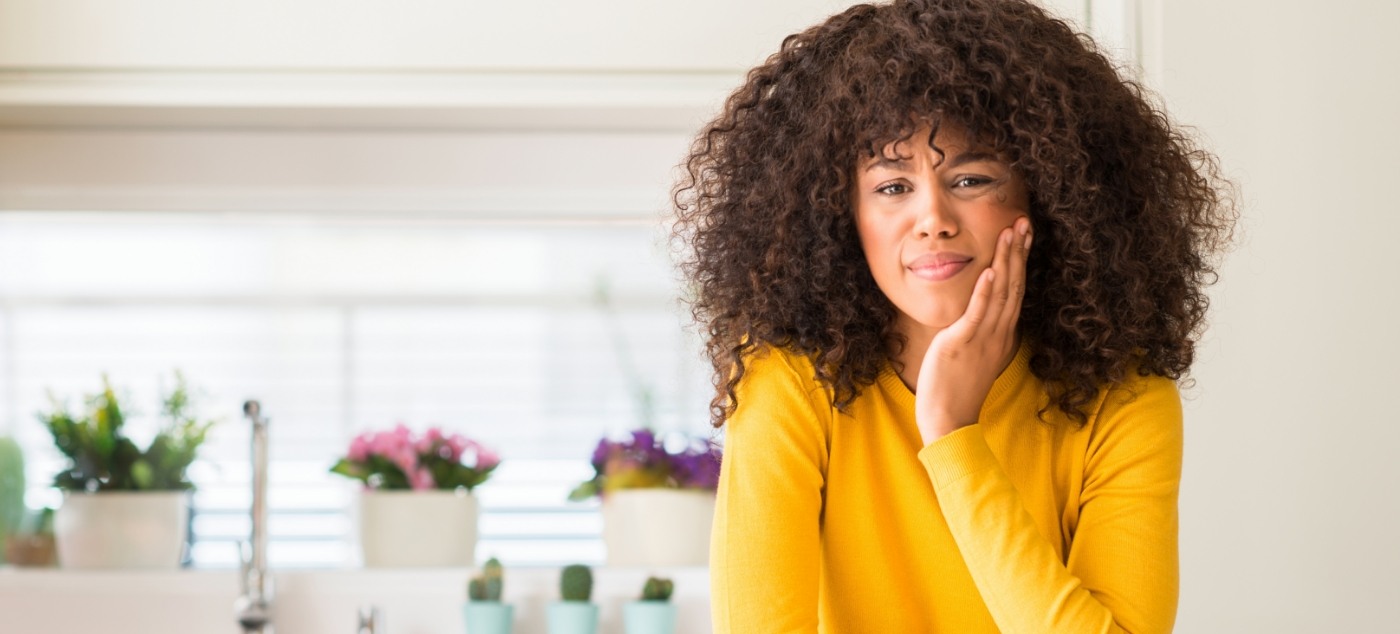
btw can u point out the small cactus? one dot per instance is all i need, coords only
(657, 589)
(487, 586)
(576, 583)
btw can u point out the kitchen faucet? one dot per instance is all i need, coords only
(254, 607)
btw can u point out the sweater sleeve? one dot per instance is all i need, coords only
(1122, 568)
(765, 545)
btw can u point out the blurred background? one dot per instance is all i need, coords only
(450, 213)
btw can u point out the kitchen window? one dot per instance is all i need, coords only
(531, 337)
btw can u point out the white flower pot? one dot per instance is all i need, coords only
(122, 529)
(658, 527)
(417, 528)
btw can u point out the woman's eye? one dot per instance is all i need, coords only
(892, 189)
(971, 181)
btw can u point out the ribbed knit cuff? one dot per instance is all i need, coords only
(957, 455)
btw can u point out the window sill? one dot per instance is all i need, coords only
(201, 601)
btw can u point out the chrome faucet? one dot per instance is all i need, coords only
(254, 607)
(371, 620)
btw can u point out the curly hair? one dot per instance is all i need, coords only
(1129, 213)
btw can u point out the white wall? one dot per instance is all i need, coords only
(443, 35)
(1289, 499)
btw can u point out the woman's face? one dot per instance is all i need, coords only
(929, 223)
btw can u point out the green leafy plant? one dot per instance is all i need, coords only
(11, 485)
(488, 585)
(576, 583)
(11, 489)
(101, 456)
(657, 589)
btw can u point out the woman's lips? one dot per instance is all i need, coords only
(936, 268)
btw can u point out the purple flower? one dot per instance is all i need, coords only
(698, 470)
(601, 453)
(643, 461)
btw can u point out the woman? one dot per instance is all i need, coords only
(951, 269)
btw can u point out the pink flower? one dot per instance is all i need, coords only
(381, 444)
(456, 445)
(421, 480)
(405, 458)
(359, 448)
(429, 441)
(418, 456)
(485, 458)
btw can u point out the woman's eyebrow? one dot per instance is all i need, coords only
(885, 161)
(903, 164)
(971, 157)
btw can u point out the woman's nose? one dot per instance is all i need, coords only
(934, 217)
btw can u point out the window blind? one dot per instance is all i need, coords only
(496, 331)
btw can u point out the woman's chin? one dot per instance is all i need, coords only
(932, 319)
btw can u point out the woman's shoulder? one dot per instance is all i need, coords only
(1138, 383)
(767, 358)
(1146, 407)
(780, 376)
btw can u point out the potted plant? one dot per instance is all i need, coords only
(412, 481)
(32, 543)
(11, 490)
(658, 504)
(576, 613)
(123, 506)
(653, 613)
(485, 613)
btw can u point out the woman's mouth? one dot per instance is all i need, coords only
(936, 267)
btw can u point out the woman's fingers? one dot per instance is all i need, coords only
(1016, 278)
(1002, 264)
(967, 327)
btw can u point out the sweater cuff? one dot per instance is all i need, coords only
(957, 455)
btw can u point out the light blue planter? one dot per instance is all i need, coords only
(489, 617)
(649, 617)
(572, 617)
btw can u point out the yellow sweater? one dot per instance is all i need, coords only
(827, 522)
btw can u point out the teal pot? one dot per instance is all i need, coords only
(649, 617)
(572, 617)
(489, 617)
